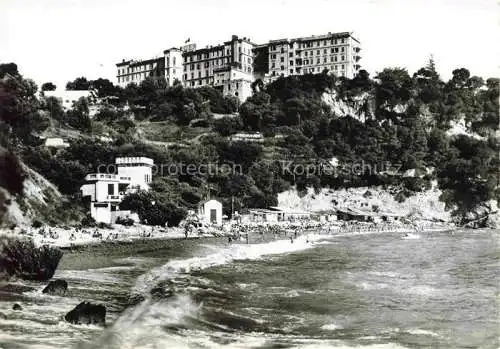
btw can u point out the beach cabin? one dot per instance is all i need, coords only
(55, 142)
(210, 211)
(260, 215)
(354, 214)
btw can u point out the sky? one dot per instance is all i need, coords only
(59, 40)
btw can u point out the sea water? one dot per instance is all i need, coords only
(432, 290)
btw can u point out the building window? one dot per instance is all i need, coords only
(291, 63)
(282, 67)
(342, 58)
(317, 52)
(291, 71)
(282, 59)
(111, 189)
(291, 54)
(342, 49)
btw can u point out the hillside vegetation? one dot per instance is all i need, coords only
(391, 131)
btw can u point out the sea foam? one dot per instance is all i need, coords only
(225, 255)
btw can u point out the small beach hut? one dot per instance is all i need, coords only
(210, 211)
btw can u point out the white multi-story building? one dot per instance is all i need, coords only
(136, 71)
(230, 68)
(107, 190)
(335, 52)
(227, 67)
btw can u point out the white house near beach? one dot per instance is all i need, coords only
(210, 211)
(106, 190)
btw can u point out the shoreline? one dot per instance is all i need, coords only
(78, 239)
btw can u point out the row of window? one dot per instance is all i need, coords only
(207, 82)
(139, 68)
(135, 77)
(309, 44)
(311, 61)
(246, 69)
(206, 55)
(311, 52)
(216, 62)
(312, 69)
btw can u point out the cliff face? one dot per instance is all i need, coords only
(423, 205)
(360, 107)
(37, 195)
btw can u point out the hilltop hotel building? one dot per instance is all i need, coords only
(229, 67)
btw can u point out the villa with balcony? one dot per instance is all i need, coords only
(107, 190)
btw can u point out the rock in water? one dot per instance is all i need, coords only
(56, 288)
(17, 307)
(87, 313)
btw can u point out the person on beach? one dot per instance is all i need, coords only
(291, 239)
(229, 239)
(246, 236)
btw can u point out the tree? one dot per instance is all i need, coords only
(80, 83)
(394, 87)
(8, 68)
(48, 86)
(20, 116)
(227, 126)
(460, 78)
(78, 116)
(152, 209)
(104, 88)
(54, 107)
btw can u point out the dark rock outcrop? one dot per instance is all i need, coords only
(160, 292)
(17, 307)
(56, 288)
(87, 313)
